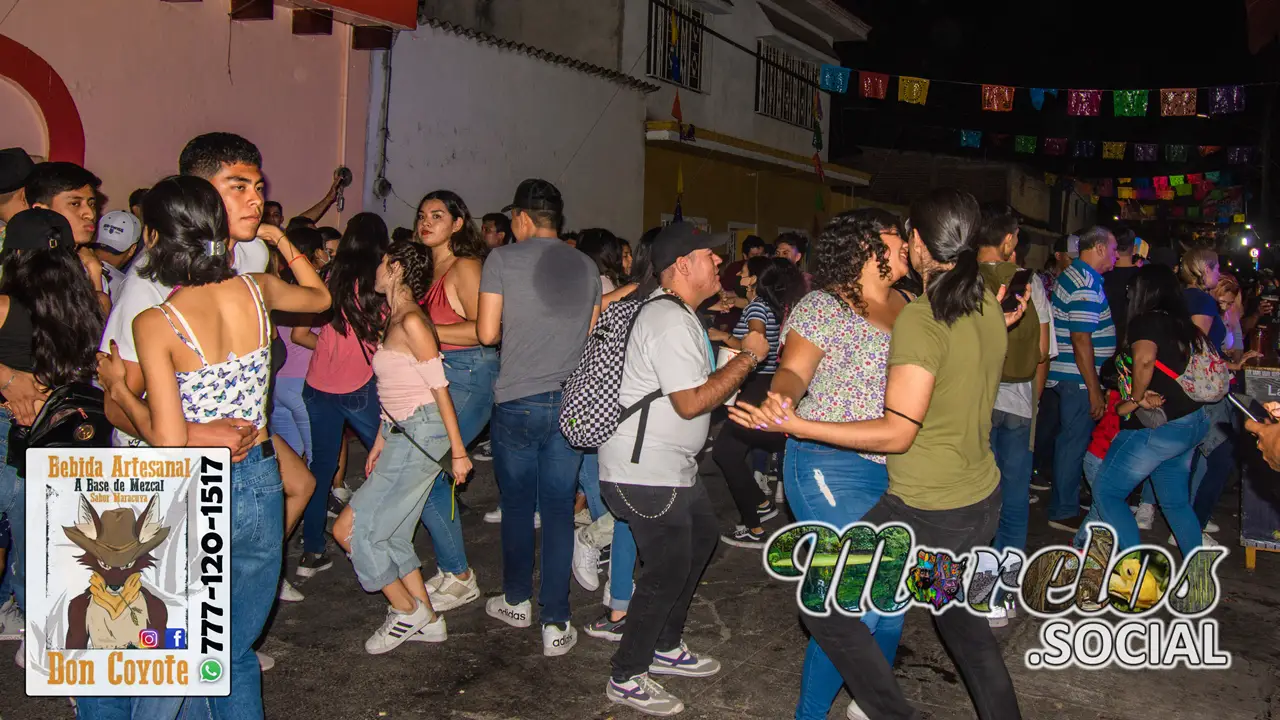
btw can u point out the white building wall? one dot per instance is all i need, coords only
(727, 102)
(476, 119)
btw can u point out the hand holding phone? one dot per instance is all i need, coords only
(1015, 289)
(1244, 407)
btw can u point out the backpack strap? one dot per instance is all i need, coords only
(642, 405)
(1165, 369)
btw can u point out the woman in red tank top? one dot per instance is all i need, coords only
(445, 226)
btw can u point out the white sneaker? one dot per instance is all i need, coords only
(513, 615)
(582, 518)
(680, 661)
(448, 591)
(780, 497)
(1205, 539)
(12, 622)
(343, 493)
(434, 632)
(762, 480)
(265, 661)
(557, 642)
(1211, 527)
(998, 616)
(397, 628)
(493, 517)
(288, 592)
(1145, 515)
(586, 561)
(855, 713)
(644, 694)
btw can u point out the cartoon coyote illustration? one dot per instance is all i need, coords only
(117, 548)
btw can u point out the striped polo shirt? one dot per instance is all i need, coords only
(760, 310)
(1080, 305)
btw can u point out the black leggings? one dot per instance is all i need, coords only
(732, 444)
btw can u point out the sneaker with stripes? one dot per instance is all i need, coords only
(397, 628)
(644, 694)
(680, 661)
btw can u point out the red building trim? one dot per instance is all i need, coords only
(39, 80)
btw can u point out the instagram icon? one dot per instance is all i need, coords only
(148, 639)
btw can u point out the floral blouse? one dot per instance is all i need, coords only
(849, 381)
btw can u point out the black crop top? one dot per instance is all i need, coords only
(15, 338)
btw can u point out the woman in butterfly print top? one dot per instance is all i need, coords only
(199, 351)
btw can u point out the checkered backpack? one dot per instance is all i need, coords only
(590, 412)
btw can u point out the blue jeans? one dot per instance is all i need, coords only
(386, 507)
(257, 518)
(289, 418)
(589, 481)
(1011, 444)
(471, 374)
(622, 566)
(328, 413)
(849, 486)
(535, 465)
(1075, 429)
(1163, 453)
(13, 505)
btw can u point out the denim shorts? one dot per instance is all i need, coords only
(387, 506)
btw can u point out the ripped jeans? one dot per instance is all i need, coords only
(387, 506)
(837, 487)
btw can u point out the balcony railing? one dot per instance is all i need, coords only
(781, 93)
(679, 62)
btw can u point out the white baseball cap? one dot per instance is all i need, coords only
(119, 230)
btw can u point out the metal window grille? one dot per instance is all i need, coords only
(781, 90)
(680, 63)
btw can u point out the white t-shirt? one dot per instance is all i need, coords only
(1015, 398)
(137, 294)
(668, 349)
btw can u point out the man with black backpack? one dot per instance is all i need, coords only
(649, 466)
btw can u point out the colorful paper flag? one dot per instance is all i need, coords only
(1145, 152)
(1193, 178)
(1149, 210)
(672, 48)
(1176, 102)
(1159, 183)
(1176, 180)
(1238, 217)
(1084, 102)
(1227, 99)
(1179, 211)
(834, 79)
(913, 90)
(1213, 176)
(1025, 144)
(1050, 179)
(1113, 150)
(1193, 212)
(1084, 149)
(1201, 191)
(1037, 96)
(1129, 103)
(675, 109)
(1175, 153)
(1165, 194)
(1093, 199)
(1126, 193)
(970, 138)
(1055, 146)
(1185, 189)
(1124, 181)
(872, 84)
(997, 98)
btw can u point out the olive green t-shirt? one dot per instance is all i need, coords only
(950, 464)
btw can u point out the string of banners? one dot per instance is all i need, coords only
(1117, 150)
(1207, 195)
(1172, 102)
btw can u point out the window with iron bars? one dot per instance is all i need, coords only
(781, 90)
(681, 62)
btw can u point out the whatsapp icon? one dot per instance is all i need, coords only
(210, 671)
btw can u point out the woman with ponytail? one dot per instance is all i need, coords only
(945, 360)
(419, 435)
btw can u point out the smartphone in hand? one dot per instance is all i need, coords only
(1014, 289)
(1249, 407)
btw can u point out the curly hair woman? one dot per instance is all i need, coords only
(445, 228)
(835, 346)
(419, 430)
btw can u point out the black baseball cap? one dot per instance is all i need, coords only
(15, 167)
(38, 229)
(677, 240)
(536, 194)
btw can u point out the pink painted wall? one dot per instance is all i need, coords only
(147, 76)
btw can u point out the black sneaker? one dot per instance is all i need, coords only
(767, 511)
(744, 538)
(483, 451)
(335, 506)
(606, 629)
(312, 563)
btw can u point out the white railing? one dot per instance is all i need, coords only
(782, 92)
(687, 52)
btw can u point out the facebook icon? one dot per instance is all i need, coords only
(175, 639)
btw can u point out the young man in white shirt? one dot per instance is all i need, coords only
(658, 492)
